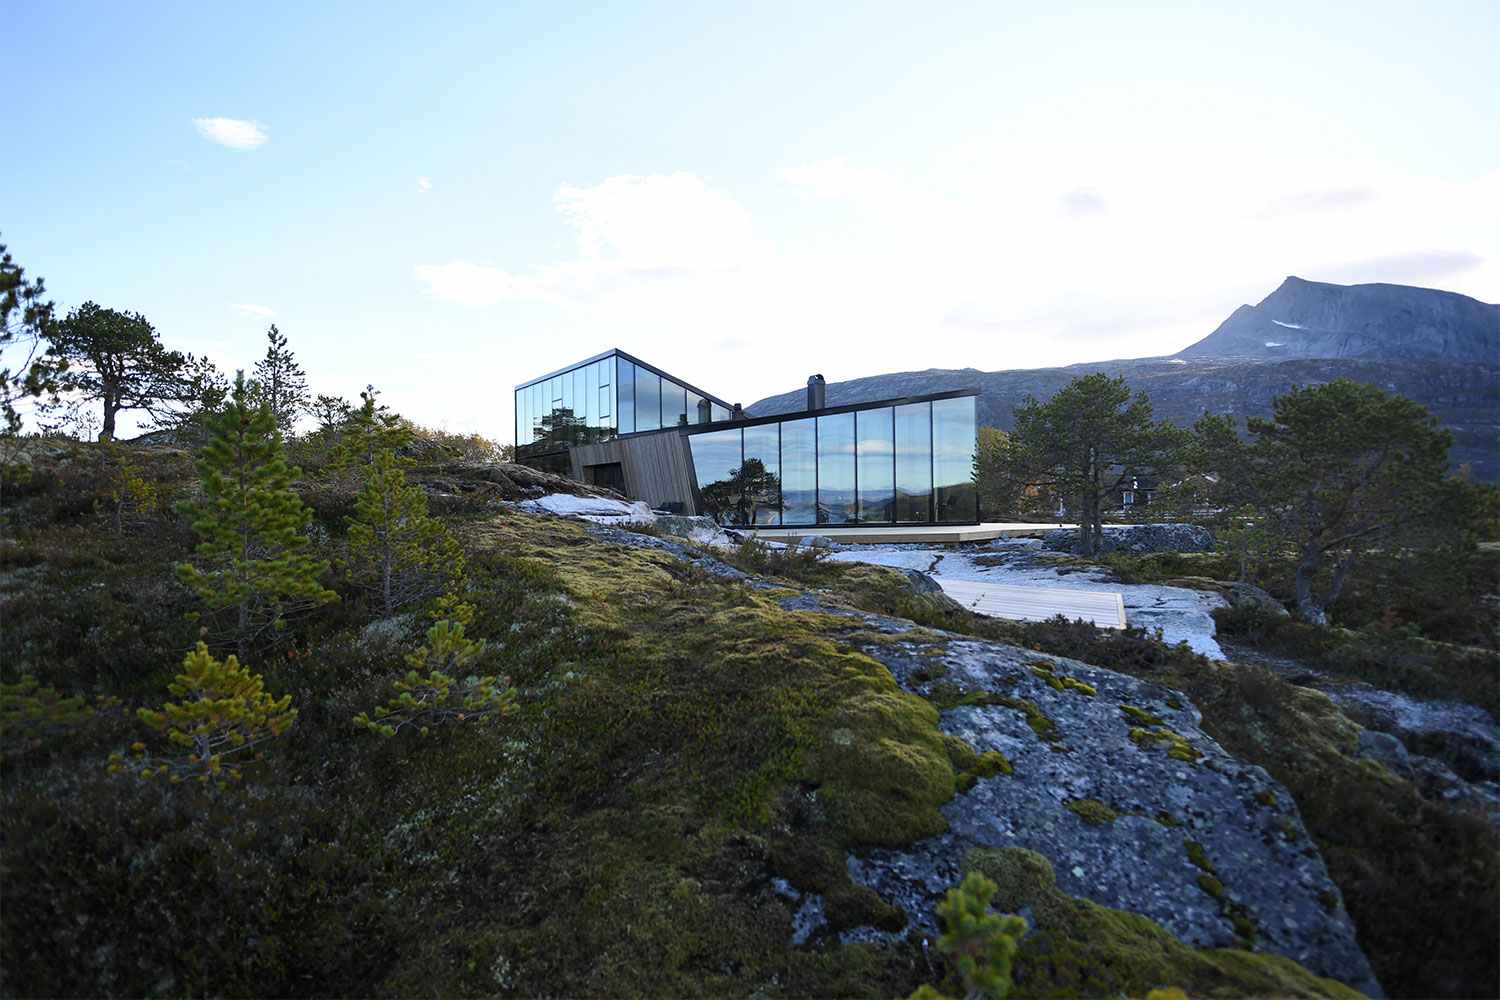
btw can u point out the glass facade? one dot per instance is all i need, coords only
(603, 398)
(906, 464)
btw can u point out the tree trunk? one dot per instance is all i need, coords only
(1308, 605)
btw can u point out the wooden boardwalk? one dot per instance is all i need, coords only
(1033, 604)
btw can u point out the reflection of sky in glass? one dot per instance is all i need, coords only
(647, 400)
(716, 455)
(625, 395)
(799, 471)
(836, 454)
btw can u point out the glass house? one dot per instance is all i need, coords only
(599, 399)
(618, 422)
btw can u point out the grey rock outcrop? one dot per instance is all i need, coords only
(1138, 538)
(1200, 841)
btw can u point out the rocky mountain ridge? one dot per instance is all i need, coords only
(1438, 348)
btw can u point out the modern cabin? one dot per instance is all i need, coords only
(618, 422)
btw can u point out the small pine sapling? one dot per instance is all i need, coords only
(978, 942)
(29, 713)
(396, 549)
(425, 699)
(224, 709)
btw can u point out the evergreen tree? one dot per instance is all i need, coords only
(283, 385)
(25, 322)
(1339, 470)
(224, 709)
(251, 555)
(1084, 443)
(117, 359)
(362, 435)
(396, 549)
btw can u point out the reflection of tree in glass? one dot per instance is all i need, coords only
(563, 426)
(740, 499)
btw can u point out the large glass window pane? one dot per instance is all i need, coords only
(717, 466)
(719, 412)
(954, 435)
(697, 408)
(799, 472)
(760, 475)
(567, 390)
(588, 408)
(647, 400)
(522, 395)
(539, 407)
(836, 501)
(673, 404)
(625, 396)
(875, 464)
(914, 462)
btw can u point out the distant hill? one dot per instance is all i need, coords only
(1439, 348)
(1312, 319)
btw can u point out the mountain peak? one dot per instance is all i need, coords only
(1315, 319)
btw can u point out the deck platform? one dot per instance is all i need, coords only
(1033, 604)
(936, 534)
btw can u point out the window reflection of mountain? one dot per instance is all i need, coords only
(749, 493)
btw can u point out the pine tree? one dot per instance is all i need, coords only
(283, 385)
(224, 709)
(248, 516)
(363, 434)
(1084, 443)
(396, 548)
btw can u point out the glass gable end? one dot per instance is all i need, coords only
(603, 398)
(880, 464)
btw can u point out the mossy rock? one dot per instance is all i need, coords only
(859, 906)
(1079, 948)
(809, 863)
(883, 768)
(1092, 812)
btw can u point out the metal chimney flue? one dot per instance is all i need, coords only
(817, 392)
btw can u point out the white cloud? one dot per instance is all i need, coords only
(1030, 258)
(423, 185)
(465, 283)
(232, 132)
(251, 311)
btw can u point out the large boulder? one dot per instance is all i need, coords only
(1137, 538)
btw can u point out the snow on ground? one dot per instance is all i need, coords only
(1289, 326)
(1182, 615)
(600, 510)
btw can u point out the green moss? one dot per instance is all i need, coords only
(965, 781)
(1266, 797)
(991, 763)
(809, 863)
(1212, 886)
(1092, 812)
(1196, 856)
(1136, 715)
(859, 906)
(1079, 948)
(1052, 680)
(1178, 748)
(1329, 901)
(1245, 929)
(1073, 684)
(1046, 730)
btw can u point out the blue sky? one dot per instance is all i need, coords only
(446, 199)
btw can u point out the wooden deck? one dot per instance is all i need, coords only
(935, 534)
(1032, 604)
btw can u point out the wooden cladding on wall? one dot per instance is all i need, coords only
(656, 466)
